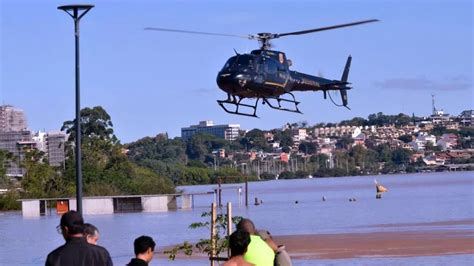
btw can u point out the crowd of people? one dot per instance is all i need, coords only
(248, 246)
(81, 247)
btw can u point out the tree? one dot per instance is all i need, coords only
(267, 176)
(308, 147)
(356, 121)
(95, 124)
(321, 160)
(406, 138)
(255, 139)
(205, 245)
(41, 180)
(344, 142)
(286, 175)
(384, 153)
(284, 137)
(5, 156)
(158, 148)
(198, 146)
(401, 156)
(106, 170)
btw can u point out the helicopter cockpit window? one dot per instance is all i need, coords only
(229, 63)
(245, 61)
(270, 66)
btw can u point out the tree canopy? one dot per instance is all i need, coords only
(95, 124)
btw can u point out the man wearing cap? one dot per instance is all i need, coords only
(76, 250)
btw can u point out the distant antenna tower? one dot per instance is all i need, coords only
(433, 103)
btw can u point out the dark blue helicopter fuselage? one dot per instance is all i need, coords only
(265, 73)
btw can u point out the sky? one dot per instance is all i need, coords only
(152, 82)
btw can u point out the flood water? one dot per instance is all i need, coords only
(412, 199)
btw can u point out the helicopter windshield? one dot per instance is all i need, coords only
(244, 62)
(229, 63)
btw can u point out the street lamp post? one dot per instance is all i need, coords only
(77, 12)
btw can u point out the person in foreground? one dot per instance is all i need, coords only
(258, 251)
(282, 258)
(238, 243)
(91, 233)
(76, 251)
(144, 247)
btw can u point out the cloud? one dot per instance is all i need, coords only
(422, 83)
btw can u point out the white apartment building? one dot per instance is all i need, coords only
(227, 131)
(12, 119)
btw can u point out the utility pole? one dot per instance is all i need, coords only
(77, 12)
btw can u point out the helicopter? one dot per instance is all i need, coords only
(265, 75)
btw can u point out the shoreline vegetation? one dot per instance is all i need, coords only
(157, 165)
(406, 240)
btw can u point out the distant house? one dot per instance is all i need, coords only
(396, 143)
(466, 118)
(284, 157)
(455, 155)
(275, 145)
(447, 141)
(416, 156)
(338, 131)
(434, 160)
(326, 149)
(268, 136)
(420, 142)
(222, 153)
(360, 140)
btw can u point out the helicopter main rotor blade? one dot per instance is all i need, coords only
(199, 32)
(324, 28)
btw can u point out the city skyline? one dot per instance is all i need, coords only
(137, 76)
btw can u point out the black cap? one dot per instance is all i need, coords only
(71, 219)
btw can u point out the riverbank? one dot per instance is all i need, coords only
(403, 240)
(379, 244)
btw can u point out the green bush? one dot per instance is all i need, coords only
(8, 201)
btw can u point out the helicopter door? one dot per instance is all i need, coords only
(276, 74)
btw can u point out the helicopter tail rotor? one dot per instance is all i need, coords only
(341, 86)
(344, 77)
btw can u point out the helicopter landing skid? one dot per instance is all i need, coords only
(267, 100)
(238, 104)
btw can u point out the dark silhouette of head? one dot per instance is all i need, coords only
(246, 225)
(72, 224)
(144, 247)
(238, 243)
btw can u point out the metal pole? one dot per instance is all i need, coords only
(213, 233)
(77, 17)
(229, 224)
(246, 192)
(78, 121)
(219, 181)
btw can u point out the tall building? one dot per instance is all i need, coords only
(56, 149)
(227, 132)
(52, 143)
(12, 119)
(466, 118)
(16, 142)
